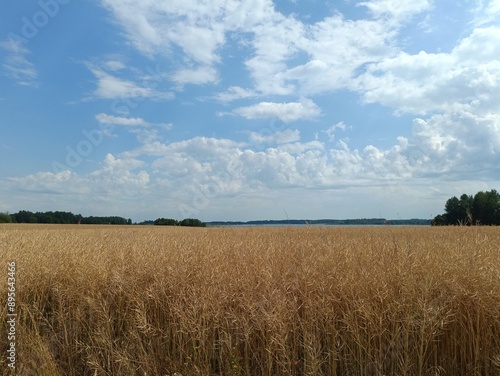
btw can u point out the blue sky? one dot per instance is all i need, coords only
(248, 109)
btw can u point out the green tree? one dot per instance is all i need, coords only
(453, 211)
(466, 203)
(481, 209)
(439, 220)
(458, 211)
(486, 208)
(193, 222)
(165, 222)
(25, 217)
(5, 218)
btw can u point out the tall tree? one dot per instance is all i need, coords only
(453, 211)
(466, 202)
(486, 208)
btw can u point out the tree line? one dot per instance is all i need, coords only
(481, 209)
(61, 217)
(192, 222)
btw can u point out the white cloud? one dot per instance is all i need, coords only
(274, 42)
(115, 65)
(138, 126)
(487, 13)
(460, 143)
(290, 164)
(480, 47)
(301, 147)
(335, 47)
(493, 9)
(278, 137)
(204, 145)
(125, 83)
(338, 49)
(234, 93)
(112, 87)
(111, 163)
(286, 112)
(198, 76)
(116, 120)
(99, 192)
(428, 82)
(199, 29)
(330, 132)
(396, 8)
(156, 25)
(16, 65)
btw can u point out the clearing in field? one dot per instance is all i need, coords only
(139, 300)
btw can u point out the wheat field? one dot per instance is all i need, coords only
(148, 300)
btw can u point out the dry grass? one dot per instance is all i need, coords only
(254, 301)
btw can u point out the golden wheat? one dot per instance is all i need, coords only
(95, 300)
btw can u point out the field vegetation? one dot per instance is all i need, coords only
(152, 300)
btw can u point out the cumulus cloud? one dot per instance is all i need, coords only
(114, 180)
(278, 137)
(290, 163)
(119, 172)
(460, 143)
(286, 112)
(204, 174)
(427, 82)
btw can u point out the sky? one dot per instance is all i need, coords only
(248, 109)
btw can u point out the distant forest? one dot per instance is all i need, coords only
(60, 217)
(67, 218)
